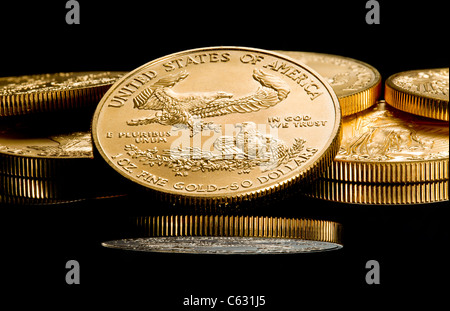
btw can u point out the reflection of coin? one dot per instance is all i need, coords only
(233, 235)
(218, 124)
(357, 84)
(221, 245)
(421, 92)
(384, 145)
(53, 92)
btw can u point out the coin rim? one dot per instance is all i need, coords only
(56, 100)
(310, 172)
(362, 194)
(413, 102)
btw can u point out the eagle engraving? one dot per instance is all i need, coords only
(174, 108)
(243, 152)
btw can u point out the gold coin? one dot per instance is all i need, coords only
(53, 92)
(379, 193)
(220, 124)
(218, 234)
(357, 84)
(385, 145)
(421, 92)
(49, 168)
(31, 154)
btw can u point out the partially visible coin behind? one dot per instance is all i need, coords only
(421, 92)
(42, 167)
(356, 83)
(218, 124)
(30, 94)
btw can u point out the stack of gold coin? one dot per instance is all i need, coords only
(389, 156)
(46, 153)
(223, 126)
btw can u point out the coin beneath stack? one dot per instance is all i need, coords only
(30, 94)
(218, 125)
(421, 92)
(356, 83)
(216, 234)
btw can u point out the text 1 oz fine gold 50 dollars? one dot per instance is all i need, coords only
(219, 124)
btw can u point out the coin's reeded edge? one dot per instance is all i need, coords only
(413, 103)
(388, 172)
(379, 194)
(311, 173)
(358, 102)
(30, 103)
(40, 167)
(65, 188)
(240, 226)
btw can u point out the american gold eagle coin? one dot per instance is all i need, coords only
(219, 124)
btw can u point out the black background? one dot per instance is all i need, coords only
(409, 242)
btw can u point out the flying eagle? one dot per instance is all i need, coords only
(181, 108)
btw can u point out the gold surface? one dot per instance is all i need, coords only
(218, 124)
(357, 84)
(385, 145)
(29, 94)
(218, 234)
(421, 92)
(379, 194)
